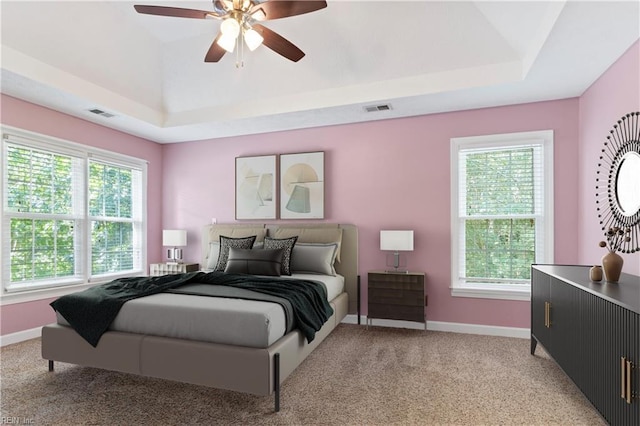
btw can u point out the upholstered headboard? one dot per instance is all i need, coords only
(347, 266)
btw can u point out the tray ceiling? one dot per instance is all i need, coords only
(418, 57)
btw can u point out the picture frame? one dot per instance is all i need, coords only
(302, 185)
(256, 195)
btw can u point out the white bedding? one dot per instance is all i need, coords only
(211, 319)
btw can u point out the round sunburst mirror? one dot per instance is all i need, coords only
(618, 182)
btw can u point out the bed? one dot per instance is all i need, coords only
(252, 367)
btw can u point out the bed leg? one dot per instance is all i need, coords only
(358, 298)
(276, 379)
(50, 365)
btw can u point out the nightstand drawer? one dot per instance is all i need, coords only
(397, 312)
(396, 296)
(156, 269)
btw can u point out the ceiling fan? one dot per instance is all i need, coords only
(240, 22)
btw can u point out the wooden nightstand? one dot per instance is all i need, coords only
(156, 269)
(397, 296)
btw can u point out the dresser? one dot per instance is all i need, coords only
(397, 296)
(592, 331)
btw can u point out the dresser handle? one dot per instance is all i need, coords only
(626, 371)
(623, 377)
(629, 393)
(547, 314)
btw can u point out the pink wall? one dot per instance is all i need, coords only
(614, 94)
(27, 116)
(384, 174)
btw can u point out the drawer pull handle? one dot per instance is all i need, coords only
(626, 371)
(623, 377)
(629, 395)
(547, 314)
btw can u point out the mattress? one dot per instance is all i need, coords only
(238, 322)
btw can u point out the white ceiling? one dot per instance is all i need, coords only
(421, 57)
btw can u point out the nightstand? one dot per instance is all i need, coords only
(156, 269)
(397, 296)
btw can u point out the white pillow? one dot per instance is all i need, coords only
(214, 253)
(310, 258)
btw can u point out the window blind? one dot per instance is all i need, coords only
(43, 206)
(116, 218)
(500, 210)
(70, 212)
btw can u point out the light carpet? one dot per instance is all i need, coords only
(358, 376)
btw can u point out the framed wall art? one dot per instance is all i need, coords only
(302, 185)
(256, 187)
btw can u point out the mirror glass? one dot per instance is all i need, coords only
(628, 184)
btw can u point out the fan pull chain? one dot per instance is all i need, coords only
(240, 50)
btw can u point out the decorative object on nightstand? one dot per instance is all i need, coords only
(174, 238)
(397, 296)
(156, 269)
(396, 241)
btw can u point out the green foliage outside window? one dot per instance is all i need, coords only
(41, 249)
(110, 196)
(500, 243)
(45, 208)
(500, 248)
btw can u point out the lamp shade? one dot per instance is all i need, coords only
(174, 237)
(396, 240)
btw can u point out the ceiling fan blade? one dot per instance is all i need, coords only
(215, 52)
(279, 44)
(276, 9)
(175, 12)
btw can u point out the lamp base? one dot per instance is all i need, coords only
(174, 256)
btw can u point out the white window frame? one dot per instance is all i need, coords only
(58, 288)
(496, 290)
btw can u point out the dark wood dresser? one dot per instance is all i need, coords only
(592, 330)
(396, 296)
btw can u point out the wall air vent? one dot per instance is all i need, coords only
(101, 112)
(373, 108)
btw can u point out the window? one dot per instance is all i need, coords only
(502, 212)
(72, 214)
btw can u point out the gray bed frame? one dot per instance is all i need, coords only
(258, 371)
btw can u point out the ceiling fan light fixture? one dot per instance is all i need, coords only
(230, 27)
(259, 15)
(227, 42)
(253, 39)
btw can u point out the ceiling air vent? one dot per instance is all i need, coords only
(101, 112)
(373, 108)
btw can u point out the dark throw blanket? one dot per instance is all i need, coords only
(91, 312)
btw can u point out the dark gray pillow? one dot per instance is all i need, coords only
(286, 244)
(254, 262)
(226, 243)
(314, 258)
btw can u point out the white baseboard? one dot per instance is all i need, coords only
(20, 336)
(454, 327)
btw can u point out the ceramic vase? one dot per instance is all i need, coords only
(595, 273)
(612, 266)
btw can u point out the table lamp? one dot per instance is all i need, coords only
(396, 241)
(174, 238)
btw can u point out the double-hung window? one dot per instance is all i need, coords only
(502, 212)
(71, 214)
